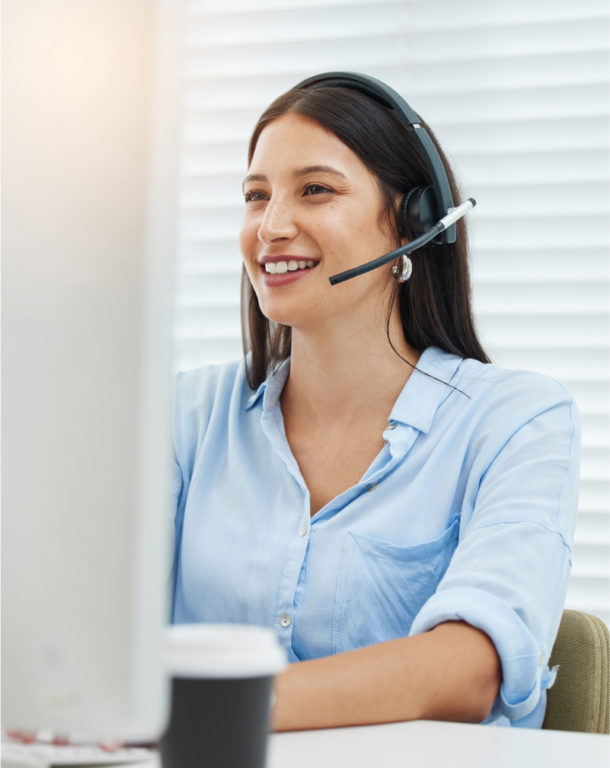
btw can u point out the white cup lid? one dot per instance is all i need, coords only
(222, 651)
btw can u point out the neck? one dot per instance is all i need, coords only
(335, 373)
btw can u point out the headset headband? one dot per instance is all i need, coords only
(390, 99)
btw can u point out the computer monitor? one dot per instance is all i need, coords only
(88, 220)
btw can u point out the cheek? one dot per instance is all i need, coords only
(354, 244)
(336, 238)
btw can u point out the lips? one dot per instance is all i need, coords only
(283, 269)
(282, 266)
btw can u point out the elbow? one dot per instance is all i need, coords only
(471, 703)
(470, 677)
(474, 706)
(479, 710)
(478, 704)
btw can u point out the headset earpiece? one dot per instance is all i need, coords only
(418, 212)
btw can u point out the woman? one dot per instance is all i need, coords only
(397, 508)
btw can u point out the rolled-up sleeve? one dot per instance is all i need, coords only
(509, 573)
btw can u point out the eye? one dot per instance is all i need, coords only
(255, 196)
(316, 189)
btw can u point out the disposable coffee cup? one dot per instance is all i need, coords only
(221, 691)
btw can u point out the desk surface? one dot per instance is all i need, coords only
(426, 743)
(431, 744)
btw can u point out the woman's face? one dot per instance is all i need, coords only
(312, 209)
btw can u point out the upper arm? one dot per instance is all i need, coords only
(509, 574)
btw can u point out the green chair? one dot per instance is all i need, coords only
(580, 698)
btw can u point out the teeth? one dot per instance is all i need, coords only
(280, 267)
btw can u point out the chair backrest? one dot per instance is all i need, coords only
(580, 698)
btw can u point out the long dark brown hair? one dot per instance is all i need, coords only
(435, 305)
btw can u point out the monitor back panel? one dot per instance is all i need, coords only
(86, 266)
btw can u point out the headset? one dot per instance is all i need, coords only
(428, 210)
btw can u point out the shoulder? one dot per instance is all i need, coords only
(205, 394)
(522, 393)
(471, 392)
(483, 407)
(502, 406)
(200, 387)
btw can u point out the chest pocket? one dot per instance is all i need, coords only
(382, 586)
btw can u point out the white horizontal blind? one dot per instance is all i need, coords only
(518, 94)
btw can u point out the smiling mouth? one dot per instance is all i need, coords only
(293, 265)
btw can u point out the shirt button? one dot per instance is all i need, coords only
(372, 487)
(303, 531)
(285, 620)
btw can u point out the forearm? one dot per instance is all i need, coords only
(449, 673)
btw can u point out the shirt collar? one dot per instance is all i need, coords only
(427, 387)
(271, 389)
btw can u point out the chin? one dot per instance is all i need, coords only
(281, 318)
(284, 312)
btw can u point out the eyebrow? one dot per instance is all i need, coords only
(318, 169)
(298, 173)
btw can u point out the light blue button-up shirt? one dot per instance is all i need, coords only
(467, 513)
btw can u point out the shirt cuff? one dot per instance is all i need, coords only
(524, 661)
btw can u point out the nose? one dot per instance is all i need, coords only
(278, 222)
